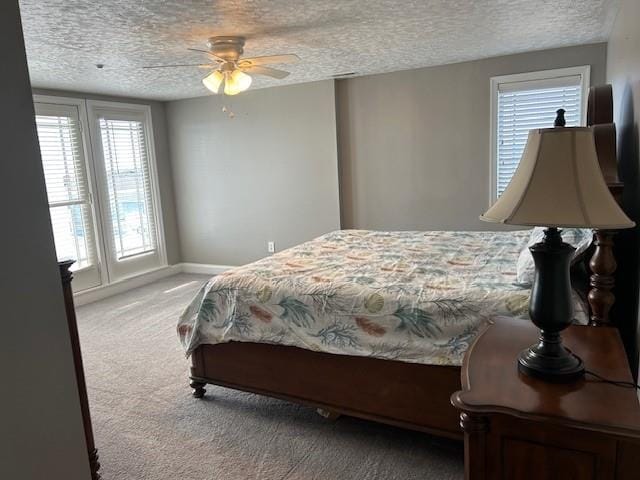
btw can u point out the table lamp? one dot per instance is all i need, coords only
(558, 183)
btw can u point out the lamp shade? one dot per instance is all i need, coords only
(558, 183)
(236, 82)
(213, 81)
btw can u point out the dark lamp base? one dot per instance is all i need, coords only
(551, 362)
(551, 310)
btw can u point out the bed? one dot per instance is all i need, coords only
(375, 324)
(417, 297)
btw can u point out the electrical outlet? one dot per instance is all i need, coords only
(271, 247)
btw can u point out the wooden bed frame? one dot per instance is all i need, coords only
(413, 396)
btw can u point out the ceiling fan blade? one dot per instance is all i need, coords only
(210, 54)
(268, 71)
(199, 65)
(269, 59)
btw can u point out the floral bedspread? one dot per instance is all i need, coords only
(408, 296)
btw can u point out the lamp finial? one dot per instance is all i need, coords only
(560, 121)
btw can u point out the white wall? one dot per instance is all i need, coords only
(623, 72)
(270, 173)
(414, 146)
(41, 435)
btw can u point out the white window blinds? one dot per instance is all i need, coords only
(526, 105)
(66, 181)
(101, 187)
(128, 180)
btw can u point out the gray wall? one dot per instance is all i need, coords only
(623, 72)
(40, 421)
(414, 146)
(167, 199)
(270, 173)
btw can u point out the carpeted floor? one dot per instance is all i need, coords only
(147, 425)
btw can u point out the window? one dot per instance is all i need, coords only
(128, 184)
(527, 101)
(101, 187)
(66, 177)
(123, 149)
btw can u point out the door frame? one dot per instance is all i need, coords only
(93, 108)
(94, 201)
(92, 150)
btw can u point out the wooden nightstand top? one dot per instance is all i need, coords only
(492, 383)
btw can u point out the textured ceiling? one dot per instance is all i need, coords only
(66, 38)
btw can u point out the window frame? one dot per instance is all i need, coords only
(91, 142)
(80, 105)
(121, 269)
(584, 71)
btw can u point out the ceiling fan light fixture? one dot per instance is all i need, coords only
(227, 67)
(236, 82)
(213, 81)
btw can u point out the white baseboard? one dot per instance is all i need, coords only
(104, 291)
(204, 268)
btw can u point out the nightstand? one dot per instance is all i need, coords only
(520, 428)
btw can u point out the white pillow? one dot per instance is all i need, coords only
(579, 238)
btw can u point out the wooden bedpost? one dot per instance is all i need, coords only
(67, 291)
(603, 266)
(197, 372)
(603, 263)
(198, 388)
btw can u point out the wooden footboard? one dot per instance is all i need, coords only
(407, 395)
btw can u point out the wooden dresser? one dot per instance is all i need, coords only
(66, 276)
(519, 428)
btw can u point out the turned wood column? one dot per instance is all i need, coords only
(67, 276)
(603, 267)
(475, 429)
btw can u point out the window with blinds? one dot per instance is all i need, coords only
(529, 101)
(99, 167)
(64, 167)
(129, 189)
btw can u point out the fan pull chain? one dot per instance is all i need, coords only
(228, 111)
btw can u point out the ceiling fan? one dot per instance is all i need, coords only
(227, 67)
